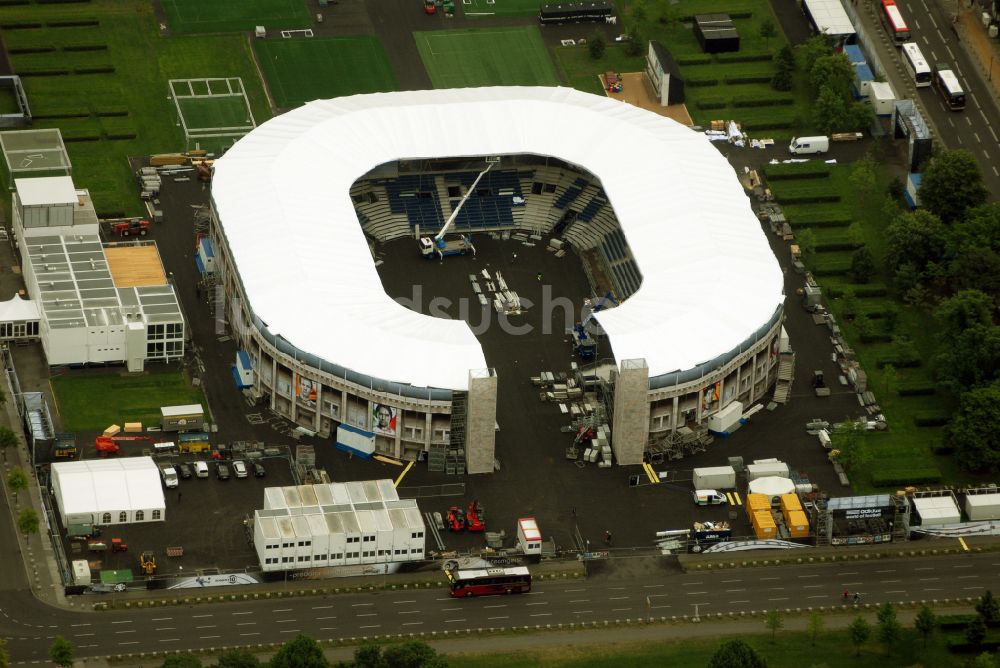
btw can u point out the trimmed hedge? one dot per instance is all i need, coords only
(712, 104)
(959, 622)
(42, 73)
(832, 270)
(820, 223)
(755, 101)
(19, 25)
(883, 362)
(837, 246)
(942, 449)
(694, 60)
(106, 69)
(965, 647)
(795, 171)
(809, 198)
(916, 389)
(74, 23)
(31, 49)
(740, 57)
(749, 79)
(914, 476)
(701, 83)
(929, 419)
(876, 337)
(85, 47)
(862, 292)
(766, 125)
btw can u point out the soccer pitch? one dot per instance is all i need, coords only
(188, 16)
(489, 57)
(300, 70)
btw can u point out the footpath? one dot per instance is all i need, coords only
(985, 51)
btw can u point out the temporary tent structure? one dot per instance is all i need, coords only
(108, 491)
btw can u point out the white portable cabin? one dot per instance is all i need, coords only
(727, 420)
(81, 572)
(983, 506)
(882, 97)
(764, 469)
(529, 536)
(937, 510)
(182, 418)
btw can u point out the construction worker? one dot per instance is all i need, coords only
(607, 538)
(539, 276)
(846, 594)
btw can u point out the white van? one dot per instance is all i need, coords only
(201, 469)
(809, 145)
(708, 497)
(169, 476)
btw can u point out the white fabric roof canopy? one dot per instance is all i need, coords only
(282, 195)
(108, 485)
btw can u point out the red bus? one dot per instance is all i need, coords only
(489, 581)
(894, 23)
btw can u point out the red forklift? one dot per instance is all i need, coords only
(475, 518)
(430, 7)
(456, 519)
(136, 227)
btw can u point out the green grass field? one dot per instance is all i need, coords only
(489, 57)
(91, 402)
(474, 8)
(214, 112)
(580, 70)
(190, 16)
(300, 70)
(905, 445)
(833, 649)
(86, 107)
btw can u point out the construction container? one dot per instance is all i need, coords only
(113, 430)
(133, 427)
(182, 418)
(757, 503)
(789, 503)
(770, 468)
(763, 524)
(727, 420)
(714, 477)
(983, 506)
(797, 523)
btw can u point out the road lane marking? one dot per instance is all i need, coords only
(652, 586)
(570, 590)
(815, 575)
(728, 581)
(411, 623)
(243, 613)
(367, 614)
(694, 593)
(448, 621)
(502, 605)
(691, 584)
(728, 591)
(924, 568)
(620, 609)
(81, 635)
(929, 579)
(500, 617)
(129, 631)
(284, 621)
(207, 626)
(820, 596)
(408, 612)
(370, 626)
(87, 624)
(129, 621)
(966, 577)
(580, 600)
(327, 617)
(282, 610)
(199, 616)
(540, 603)
(169, 640)
(450, 609)
(774, 578)
(166, 628)
(405, 601)
(207, 637)
(328, 628)
(247, 624)
(887, 570)
(976, 587)
(358, 605)
(250, 634)
(327, 607)
(781, 598)
(154, 619)
(130, 642)
(896, 591)
(617, 598)
(583, 612)
(541, 614)
(290, 631)
(735, 602)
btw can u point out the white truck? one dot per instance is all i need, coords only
(714, 477)
(440, 247)
(169, 474)
(708, 497)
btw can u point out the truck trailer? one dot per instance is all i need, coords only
(441, 248)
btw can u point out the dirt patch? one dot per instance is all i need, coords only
(636, 90)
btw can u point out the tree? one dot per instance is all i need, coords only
(862, 265)
(4, 655)
(860, 632)
(975, 632)
(984, 660)
(412, 655)
(811, 50)
(596, 46)
(973, 433)
(815, 627)
(17, 480)
(851, 442)
(806, 239)
(916, 238)
(181, 661)
(369, 655)
(988, 607)
(767, 31)
(27, 522)
(61, 651)
(301, 652)
(978, 269)
(970, 359)
(968, 308)
(830, 110)
(784, 73)
(635, 45)
(238, 658)
(774, 622)
(925, 623)
(736, 654)
(951, 184)
(889, 628)
(8, 439)
(833, 71)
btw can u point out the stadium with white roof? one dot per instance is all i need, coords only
(654, 211)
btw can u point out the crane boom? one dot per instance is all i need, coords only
(461, 203)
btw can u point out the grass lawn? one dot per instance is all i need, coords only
(580, 70)
(502, 7)
(187, 16)
(833, 649)
(86, 106)
(215, 112)
(298, 71)
(905, 445)
(488, 57)
(91, 402)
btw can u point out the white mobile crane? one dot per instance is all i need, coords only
(459, 244)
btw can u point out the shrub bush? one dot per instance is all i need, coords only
(930, 419)
(914, 476)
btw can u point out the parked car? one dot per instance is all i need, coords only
(258, 470)
(201, 469)
(222, 471)
(184, 470)
(240, 469)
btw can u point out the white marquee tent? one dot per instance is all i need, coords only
(108, 491)
(710, 280)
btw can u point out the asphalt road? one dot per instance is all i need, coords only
(973, 129)
(597, 598)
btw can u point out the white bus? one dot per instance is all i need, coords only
(894, 23)
(947, 84)
(916, 65)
